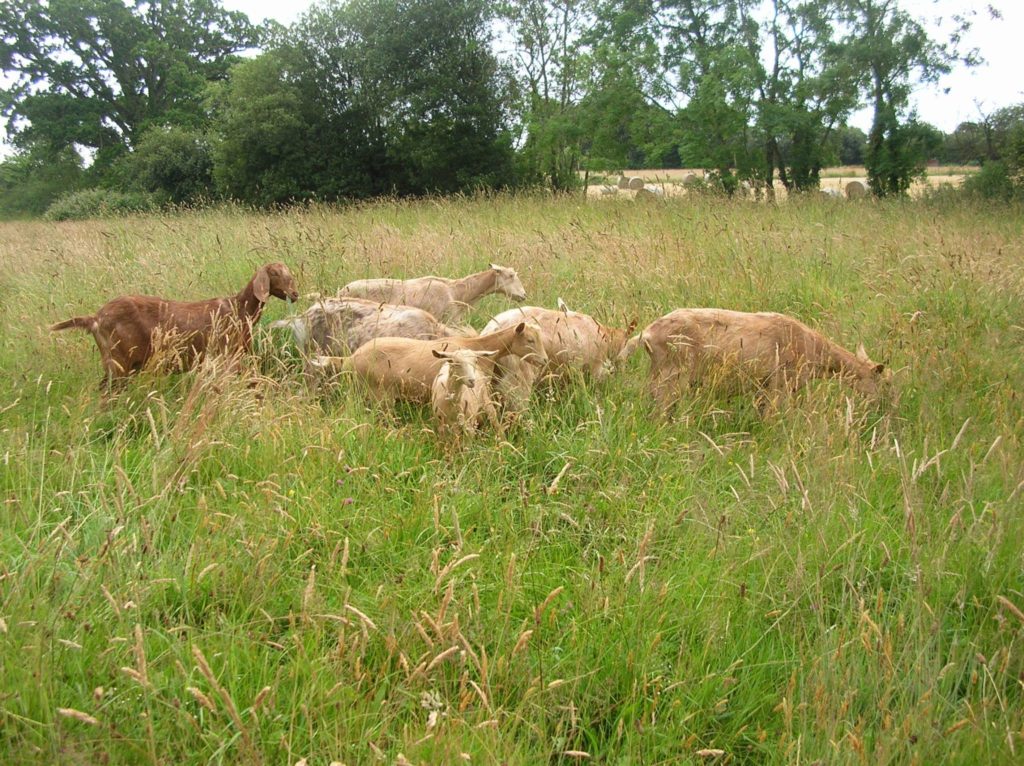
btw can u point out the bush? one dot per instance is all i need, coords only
(175, 164)
(31, 181)
(993, 182)
(98, 203)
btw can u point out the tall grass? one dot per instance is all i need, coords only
(230, 568)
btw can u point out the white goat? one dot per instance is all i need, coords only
(461, 394)
(340, 325)
(445, 298)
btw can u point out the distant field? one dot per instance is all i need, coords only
(831, 178)
(208, 571)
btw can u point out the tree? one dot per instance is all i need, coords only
(758, 81)
(442, 96)
(31, 180)
(175, 164)
(99, 73)
(893, 51)
(806, 91)
(852, 143)
(623, 129)
(367, 98)
(265, 146)
(710, 54)
(966, 144)
(553, 61)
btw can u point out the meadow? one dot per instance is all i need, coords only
(222, 568)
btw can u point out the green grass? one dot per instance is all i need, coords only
(217, 572)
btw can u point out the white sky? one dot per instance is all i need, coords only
(993, 85)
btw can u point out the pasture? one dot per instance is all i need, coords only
(214, 568)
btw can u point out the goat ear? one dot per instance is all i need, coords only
(861, 353)
(631, 326)
(520, 327)
(438, 354)
(495, 266)
(486, 353)
(261, 285)
(879, 369)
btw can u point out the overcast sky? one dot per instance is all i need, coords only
(990, 86)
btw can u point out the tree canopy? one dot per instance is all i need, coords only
(99, 73)
(361, 98)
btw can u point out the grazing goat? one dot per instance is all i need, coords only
(341, 325)
(572, 341)
(404, 368)
(461, 393)
(130, 329)
(446, 299)
(773, 353)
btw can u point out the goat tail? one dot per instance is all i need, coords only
(630, 346)
(80, 323)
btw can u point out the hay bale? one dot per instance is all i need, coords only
(636, 183)
(690, 179)
(623, 182)
(856, 189)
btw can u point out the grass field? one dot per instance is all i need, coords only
(204, 571)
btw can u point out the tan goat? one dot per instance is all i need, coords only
(445, 298)
(773, 354)
(341, 325)
(404, 368)
(130, 329)
(572, 341)
(461, 393)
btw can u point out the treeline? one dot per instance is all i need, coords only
(130, 103)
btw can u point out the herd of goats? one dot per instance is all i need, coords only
(400, 338)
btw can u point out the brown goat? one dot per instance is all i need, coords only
(131, 328)
(773, 354)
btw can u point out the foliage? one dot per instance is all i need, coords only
(988, 138)
(763, 86)
(368, 98)
(892, 51)
(851, 144)
(175, 164)
(993, 181)
(265, 149)
(710, 51)
(30, 180)
(808, 89)
(553, 59)
(440, 93)
(1001, 179)
(99, 203)
(100, 73)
